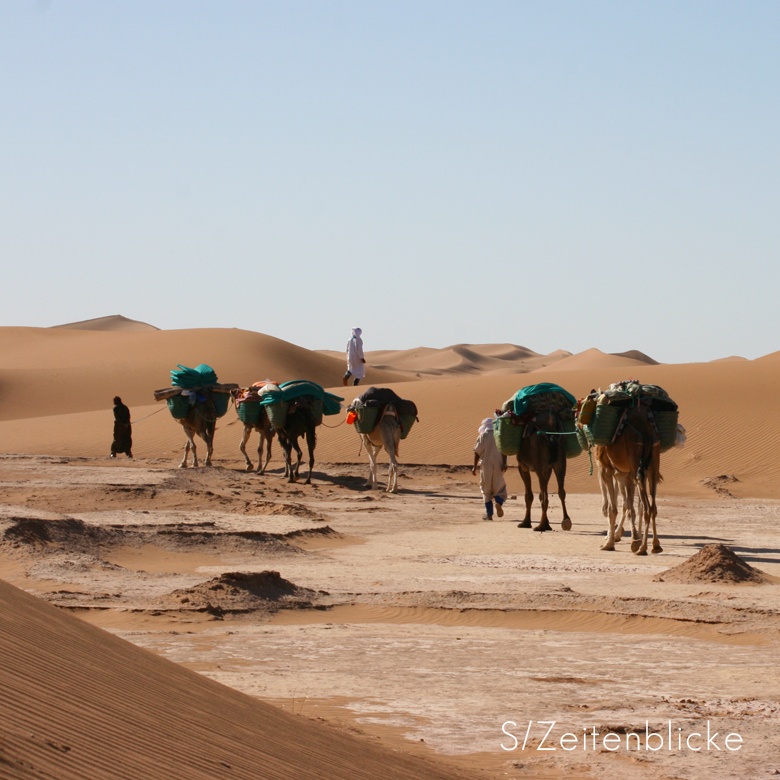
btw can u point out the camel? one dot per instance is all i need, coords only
(633, 459)
(543, 455)
(300, 422)
(263, 427)
(387, 434)
(201, 420)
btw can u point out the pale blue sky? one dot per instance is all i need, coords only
(553, 174)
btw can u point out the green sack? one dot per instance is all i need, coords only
(249, 412)
(179, 406)
(507, 436)
(573, 446)
(221, 403)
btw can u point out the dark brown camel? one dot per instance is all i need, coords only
(263, 427)
(633, 459)
(201, 421)
(300, 422)
(543, 455)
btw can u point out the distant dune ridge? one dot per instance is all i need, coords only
(57, 385)
(116, 322)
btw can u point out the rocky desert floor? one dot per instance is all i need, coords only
(410, 620)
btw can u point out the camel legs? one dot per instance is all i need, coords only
(529, 496)
(627, 487)
(372, 451)
(311, 441)
(560, 475)
(544, 500)
(208, 437)
(609, 490)
(649, 506)
(264, 439)
(390, 439)
(293, 444)
(242, 446)
(189, 445)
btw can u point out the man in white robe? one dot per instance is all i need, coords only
(356, 362)
(491, 470)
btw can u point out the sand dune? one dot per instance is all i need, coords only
(61, 371)
(79, 703)
(596, 359)
(468, 359)
(114, 323)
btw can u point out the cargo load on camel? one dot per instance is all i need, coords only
(601, 415)
(366, 410)
(193, 386)
(276, 400)
(515, 419)
(248, 399)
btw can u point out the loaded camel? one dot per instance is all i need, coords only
(632, 461)
(300, 422)
(202, 421)
(387, 434)
(263, 427)
(254, 417)
(543, 455)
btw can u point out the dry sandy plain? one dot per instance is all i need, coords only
(330, 631)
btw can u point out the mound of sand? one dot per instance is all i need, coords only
(595, 358)
(243, 592)
(714, 563)
(81, 704)
(116, 322)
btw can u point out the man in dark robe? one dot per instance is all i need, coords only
(123, 431)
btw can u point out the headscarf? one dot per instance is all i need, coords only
(486, 425)
(356, 332)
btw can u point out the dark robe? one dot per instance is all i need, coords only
(123, 431)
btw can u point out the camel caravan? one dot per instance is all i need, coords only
(382, 418)
(291, 410)
(629, 425)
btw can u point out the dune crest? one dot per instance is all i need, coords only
(114, 323)
(595, 359)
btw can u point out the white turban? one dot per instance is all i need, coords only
(486, 425)
(356, 332)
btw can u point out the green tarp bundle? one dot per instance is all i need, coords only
(288, 391)
(189, 378)
(523, 397)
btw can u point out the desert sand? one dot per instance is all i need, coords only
(333, 631)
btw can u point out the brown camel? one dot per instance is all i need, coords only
(543, 455)
(201, 420)
(263, 427)
(633, 460)
(387, 434)
(300, 422)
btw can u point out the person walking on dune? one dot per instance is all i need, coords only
(491, 470)
(123, 430)
(356, 362)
